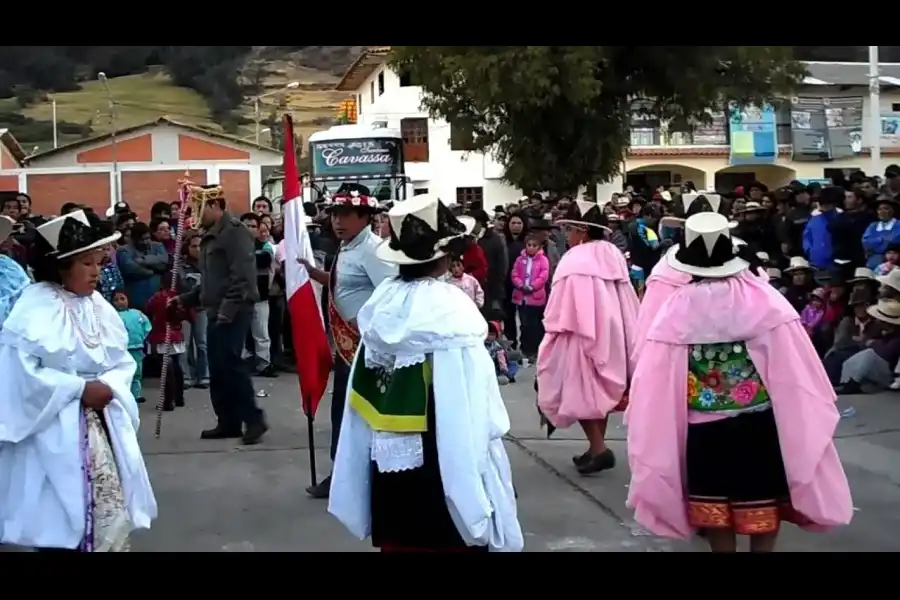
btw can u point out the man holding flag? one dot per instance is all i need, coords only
(352, 280)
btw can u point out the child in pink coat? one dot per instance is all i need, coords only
(467, 283)
(530, 276)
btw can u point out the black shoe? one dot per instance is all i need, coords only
(581, 459)
(598, 463)
(269, 372)
(254, 433)
(202, 386)
(168, 407)
(179, 403)
(141, 400)
(322, 490)
(221, 433)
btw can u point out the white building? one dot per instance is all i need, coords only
(436, 157)
(437, 161)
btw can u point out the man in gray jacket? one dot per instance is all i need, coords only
(227, 293)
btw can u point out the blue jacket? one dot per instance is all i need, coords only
(817, 240)
(142, 271)
(876, 242)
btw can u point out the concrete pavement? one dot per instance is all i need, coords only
(221, 497)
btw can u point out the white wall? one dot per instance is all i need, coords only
(446, 169)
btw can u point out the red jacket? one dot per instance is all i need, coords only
(475, 263)
(160, 313)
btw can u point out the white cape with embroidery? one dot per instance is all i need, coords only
(403, 323)
(45, 362)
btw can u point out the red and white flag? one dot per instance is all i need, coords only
(311, 348)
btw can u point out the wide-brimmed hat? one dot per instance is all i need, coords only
(715, 200)
(886, 311)
(74, 234)
(887, 200)
(353, 196)
(763, 256)
(892, 279)
(708, 249)
(773, 273)
(752, 207)
(862, 274)
(585, 214)
(819, 293)
(420, 229)
(798, 263)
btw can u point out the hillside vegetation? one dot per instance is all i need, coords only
(200, 85)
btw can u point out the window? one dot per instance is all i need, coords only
(895, 107)
(461, 138)
(406, 78)
(469, 196)
(420, 191)
(415, 139)
(372, 92)
(645, 137)
(381, 83)
(783, 122)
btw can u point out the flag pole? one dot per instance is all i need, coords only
(311, 438)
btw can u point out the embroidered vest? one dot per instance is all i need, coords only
(723, 379)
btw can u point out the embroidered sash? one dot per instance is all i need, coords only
(346, 335)
(391, 401)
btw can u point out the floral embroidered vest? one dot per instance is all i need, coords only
(723, 379)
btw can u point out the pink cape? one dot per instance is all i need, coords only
(802, 400)
(583, 363)
(661, 284)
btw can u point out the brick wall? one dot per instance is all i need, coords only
(142, 189)
(237, 190)
(49, 192)
(9, 183)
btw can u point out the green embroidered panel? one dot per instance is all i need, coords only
(722, 377)
(392, 401)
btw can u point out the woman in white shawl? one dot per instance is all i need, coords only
(420, 464)
(72, 477)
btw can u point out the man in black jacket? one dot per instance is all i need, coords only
(798, 216)
(848, 228)
(227, 292)
(494, 247)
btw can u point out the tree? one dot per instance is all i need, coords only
(558, 117)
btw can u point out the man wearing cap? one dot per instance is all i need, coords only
(817, 245)
(795, 221)
(355, 274)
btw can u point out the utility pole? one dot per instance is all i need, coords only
(117, 197)
(874, 110)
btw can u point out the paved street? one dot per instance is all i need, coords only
(218, 496)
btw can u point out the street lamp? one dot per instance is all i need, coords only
(291, 86)
(101, 76)
(258, 133)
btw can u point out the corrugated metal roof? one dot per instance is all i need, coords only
(850, 74)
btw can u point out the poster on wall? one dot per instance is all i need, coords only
(714, 133)
(809, 129)
(844, 119)
(890, 131)
(754, 135)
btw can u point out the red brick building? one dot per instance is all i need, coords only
(147, 160)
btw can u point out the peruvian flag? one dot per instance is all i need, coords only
(310, 342)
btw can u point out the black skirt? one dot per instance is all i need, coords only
(409, 510)
(735, 475)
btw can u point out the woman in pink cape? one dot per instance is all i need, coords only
(583, 364)
(731, 415)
